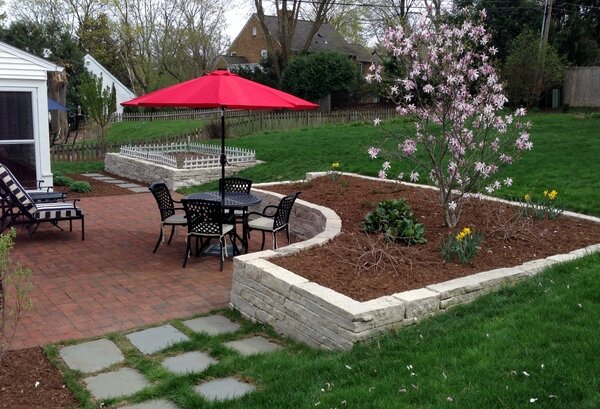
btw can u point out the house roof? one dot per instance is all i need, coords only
(325, 40)
(232, 59)
(33, 59)
(363, 54)
(88, 58)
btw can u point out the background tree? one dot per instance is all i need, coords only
(576, 31)
(288, 12)
(314, 76)
(264, 74)
(97, 101)
(525, 69)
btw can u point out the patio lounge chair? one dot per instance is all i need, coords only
(168, 211)
(205, 222)
(276, 222)
(21, 208)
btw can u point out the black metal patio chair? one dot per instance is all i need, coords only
(19, 208)
(275, 222)
(205, 222)
(168, 211)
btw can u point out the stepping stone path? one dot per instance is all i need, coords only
(252, 346)
(91, 356)
(212, 325)
(100, 354)
(152, 340)
(134, 187)
(124, 382)
(224, 389)
(189, 362)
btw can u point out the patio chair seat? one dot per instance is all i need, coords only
(176, 219)
(48, 211)
(262, 223)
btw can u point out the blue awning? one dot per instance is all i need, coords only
(55, 106)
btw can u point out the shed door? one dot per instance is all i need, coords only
(17, 143)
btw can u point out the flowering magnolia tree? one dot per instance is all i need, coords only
(452, 90)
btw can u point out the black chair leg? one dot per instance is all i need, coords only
(82, 229)
(274, 240)
(262, 246)
(287, 232)
(188, 249)
(221, 242)
(172, 231)
(160, 237)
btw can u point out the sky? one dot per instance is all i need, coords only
(236, 16)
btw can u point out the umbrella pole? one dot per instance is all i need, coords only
(223, 157)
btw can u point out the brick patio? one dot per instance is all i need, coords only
(112, 281)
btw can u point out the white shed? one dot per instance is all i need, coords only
(24, 141)
(108, 80)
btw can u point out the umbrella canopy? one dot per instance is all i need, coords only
(225, 90)
(221, 89)
(55, 106)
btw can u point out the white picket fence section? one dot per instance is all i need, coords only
(159, 154)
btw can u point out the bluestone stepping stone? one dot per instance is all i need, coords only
(212, 325)
(152, 404)
(92, 175)
(91, 356)
(224, 389)
(189, 362)
(128, 185)
(124, 382)
(115, 181)
(254, 345)
(140, 189)
(152, 340)
(103, 178)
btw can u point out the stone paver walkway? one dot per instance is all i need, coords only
(112, 281)
(134, 187)
(94, 356)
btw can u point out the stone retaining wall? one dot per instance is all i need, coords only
(321, 317)
(148, 172)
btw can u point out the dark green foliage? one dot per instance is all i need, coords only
(314, 76)
(97, 101)
(80, 186)
(265, 74)
(395, 219)
(61, 180)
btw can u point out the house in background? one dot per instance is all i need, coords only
(250, 46)
(108, 80)
(24, 133)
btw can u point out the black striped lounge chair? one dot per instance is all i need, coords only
(30, 213)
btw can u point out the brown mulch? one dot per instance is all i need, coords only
(29, 381)
(364, 266)
(99, 188)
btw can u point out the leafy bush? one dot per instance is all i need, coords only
(80, 186)
(62, 180)
(395, 219)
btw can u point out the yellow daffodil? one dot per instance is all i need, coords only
(527, 197)
(464, 233)
(335, 165)
(552, 194)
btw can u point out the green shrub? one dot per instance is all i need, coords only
(395, 219)
(61, 180)
(80, 186)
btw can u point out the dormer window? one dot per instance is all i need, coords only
(253, 31)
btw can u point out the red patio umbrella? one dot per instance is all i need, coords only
(221, 89)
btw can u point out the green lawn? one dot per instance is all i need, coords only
(537, 340)
(142, 131)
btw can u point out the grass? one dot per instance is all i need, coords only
(142, 131)
(532, 341)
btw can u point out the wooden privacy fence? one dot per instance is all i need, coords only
(581, 87)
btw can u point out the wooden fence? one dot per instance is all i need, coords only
(581, 87)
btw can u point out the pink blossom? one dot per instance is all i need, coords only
(382, 174)
(373, 152)
(409, 147)
(386, 165)
(414, 176)
(376, 121)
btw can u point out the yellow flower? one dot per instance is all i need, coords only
(335, 165)
(464, 233)
(545, 193)
(552, 195)
(527, 197)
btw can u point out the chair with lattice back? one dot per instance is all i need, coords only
(204, 223)
(168, 211)
(276, 222)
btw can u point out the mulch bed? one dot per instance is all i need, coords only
(365, 266)
(99, 188)
(29, 381)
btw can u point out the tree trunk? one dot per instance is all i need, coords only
(57, 90)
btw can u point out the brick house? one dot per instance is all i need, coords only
(250, 46)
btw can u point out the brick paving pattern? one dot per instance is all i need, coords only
(112, 281)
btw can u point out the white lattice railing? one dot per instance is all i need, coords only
(160, 154)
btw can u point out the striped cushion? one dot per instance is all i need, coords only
(17, 190)
(49, 211)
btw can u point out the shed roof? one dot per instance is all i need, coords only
(18, 64)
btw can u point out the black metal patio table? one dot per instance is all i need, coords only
(233, 201)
